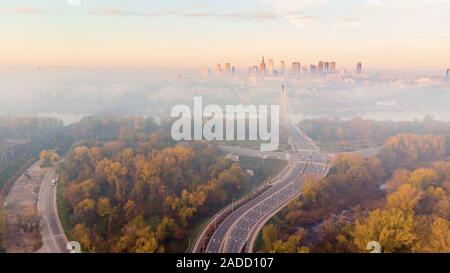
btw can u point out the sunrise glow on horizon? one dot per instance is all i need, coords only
(383, 34)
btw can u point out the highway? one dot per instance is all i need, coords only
(53, 237)
(239, 229)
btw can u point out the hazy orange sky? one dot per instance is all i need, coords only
(383, 34)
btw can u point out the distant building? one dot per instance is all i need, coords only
(282, 68)
(448, 73)
(359, 68)
(333, 67)
(312, 69)
(327, 67)
(296, 68)
(321, 66)
(255, 70)
(270, 64)
(218, 70)
(227, 68)
(262, 67)
(233, 70)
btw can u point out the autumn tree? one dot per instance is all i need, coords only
(436, 238)
(129, 188)
(81, 234)
(48, 157)
(269, 235)
(137, 237)
(29, 219)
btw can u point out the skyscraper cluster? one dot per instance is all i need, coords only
(226, 70)
(269, 69)
(296, 68)
(359, 68)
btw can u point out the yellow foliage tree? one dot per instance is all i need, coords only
(392, 228)
(437, 238)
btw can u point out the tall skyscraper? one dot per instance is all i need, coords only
(333, 67)
(270, 64)
(359, 68)
(227, 68)
(282, 68)
(262, 67)
(255, 70)
(218, 70)
(321, 67)
(296, 66)
(327, 67)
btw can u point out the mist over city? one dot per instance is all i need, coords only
(73, 93)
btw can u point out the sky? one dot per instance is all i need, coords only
(383, 34)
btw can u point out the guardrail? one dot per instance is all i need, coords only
(249, 245)
(205, 235)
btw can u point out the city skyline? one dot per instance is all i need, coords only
(270, 68)
(382, 34)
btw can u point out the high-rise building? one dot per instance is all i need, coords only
(321, 64)
(255, 70)
(296, 66)
(359, 68)
(262, 67)
(270, 64)
(333, 67)
(327, 67)
(227, 68)
(282, 68)
(218, 70)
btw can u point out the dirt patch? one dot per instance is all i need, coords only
(22, 220)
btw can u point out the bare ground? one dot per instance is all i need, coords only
(22, 197)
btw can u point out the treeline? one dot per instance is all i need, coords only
(28, 127)
(27, 137)
(112, 128)
(326, 129)
(128, 188)
(400, 198)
